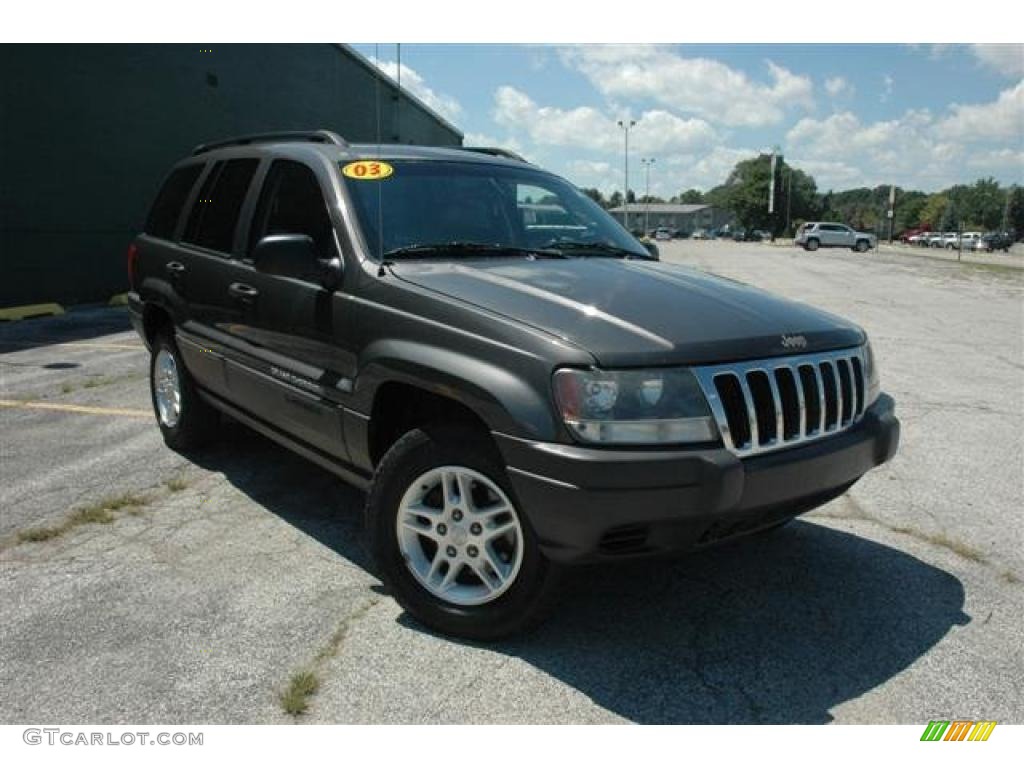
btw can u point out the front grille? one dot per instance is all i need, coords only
(767, 405)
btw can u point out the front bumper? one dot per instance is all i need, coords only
(591, 504)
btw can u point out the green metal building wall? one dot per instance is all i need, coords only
(88, 131)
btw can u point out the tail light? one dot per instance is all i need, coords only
(133, 255)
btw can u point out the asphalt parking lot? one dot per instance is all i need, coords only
(142, 586)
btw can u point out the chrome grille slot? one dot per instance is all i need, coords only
(766, 405)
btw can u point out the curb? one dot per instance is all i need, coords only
(30, 310)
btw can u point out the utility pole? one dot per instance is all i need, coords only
(647, 163)
(891, 213)
(625, 125)
(789, 198)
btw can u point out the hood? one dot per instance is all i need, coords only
(636, 313)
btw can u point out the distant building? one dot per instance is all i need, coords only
(87, 133)
(687, 217)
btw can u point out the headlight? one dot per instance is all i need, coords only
(634, 407)
(871, 375)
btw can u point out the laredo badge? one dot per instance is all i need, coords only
(367, 170)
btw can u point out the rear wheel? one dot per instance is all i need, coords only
(812, 245)
(451, 542)
(184, 419)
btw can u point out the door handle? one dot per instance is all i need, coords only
(176, 268)
(242, 291)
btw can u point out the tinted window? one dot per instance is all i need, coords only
(291, 204)
(214, 215)
(163, 216)
(432, 203)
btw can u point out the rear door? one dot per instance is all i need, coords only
(208, 242)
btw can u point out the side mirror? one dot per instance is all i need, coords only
(296, 256)
(652, 249)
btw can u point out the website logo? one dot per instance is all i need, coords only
(958, 730)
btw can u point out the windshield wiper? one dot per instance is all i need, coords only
(466, 248)
(575, 246)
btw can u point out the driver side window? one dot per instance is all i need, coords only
(291, 203)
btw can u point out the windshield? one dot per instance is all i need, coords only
(431, 203)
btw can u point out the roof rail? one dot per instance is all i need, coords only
(317, 137)
(497, 152)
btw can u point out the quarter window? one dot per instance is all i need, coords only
(163, 216)
(215, 213)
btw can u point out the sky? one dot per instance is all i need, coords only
(921, 117)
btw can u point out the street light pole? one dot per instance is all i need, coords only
(625, 125)
(647, 163)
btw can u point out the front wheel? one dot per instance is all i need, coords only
(861, 246)
(812, 245)
(450, 540)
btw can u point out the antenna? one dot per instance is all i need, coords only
(380, 188)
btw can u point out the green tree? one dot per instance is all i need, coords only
(595, 194)
(691, 197)
(615, 199)
(1015, 210)
(933, 209)
(745, 193)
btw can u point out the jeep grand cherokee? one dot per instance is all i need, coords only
(506, 371)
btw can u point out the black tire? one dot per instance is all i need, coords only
(196, 418)
(861, 246)
(812, 244)
(529, 598)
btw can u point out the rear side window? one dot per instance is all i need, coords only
(215, 213)
(163, 216)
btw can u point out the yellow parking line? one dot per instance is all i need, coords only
(68, 408)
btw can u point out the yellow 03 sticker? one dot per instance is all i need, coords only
(367, 170)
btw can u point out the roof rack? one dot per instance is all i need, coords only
(497, 152)
(317, 137)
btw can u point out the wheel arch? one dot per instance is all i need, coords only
(406, 383)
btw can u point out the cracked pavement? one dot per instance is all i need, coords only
(897, 603)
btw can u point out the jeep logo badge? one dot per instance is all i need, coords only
(794, 342)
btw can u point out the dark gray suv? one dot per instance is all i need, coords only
(506, 371)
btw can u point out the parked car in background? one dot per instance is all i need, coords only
(914, 236)
(969, 241)
(828, 234)
(663, 233)
(994, 241)
(701, 234)
(938, 239)
(919, 238)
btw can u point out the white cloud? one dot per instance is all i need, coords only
(447, 106)
(1005, 58)
(699, 86)
(916, 149)
(1001, 119)
(588, 128)
(838, 86)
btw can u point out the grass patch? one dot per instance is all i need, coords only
(98, 381)
(295, 699)
(1010, 577)
(100, 513)
(67, 388)
(176, 484)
